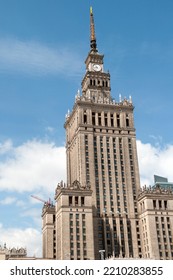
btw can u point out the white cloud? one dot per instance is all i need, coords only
(34, 214)
(12, 200)
(33, 166)
(154, 160)
(5, 147)
(20, 203)
(37, 59)
(50, 129)
(8, 200)
(38, 166)
(28, 238)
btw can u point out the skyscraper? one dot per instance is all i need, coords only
(96, 211)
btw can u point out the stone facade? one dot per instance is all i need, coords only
(156, 222)
(109, 216)
(48, 231)
(74, 222)
(101, 151)
(12, 253)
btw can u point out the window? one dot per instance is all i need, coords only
(106, 120)
(83, 216)
(165, 204)
(82, 201)
(93, 118)
(112, 120)
(160, 204)
(78, 252)
(99, 119)
(85, 117)
(118, 120)
(127, 120)
(70, 200)
(77, 216)
(154, 204)
(76, 200)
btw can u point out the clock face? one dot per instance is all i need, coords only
(96, 67)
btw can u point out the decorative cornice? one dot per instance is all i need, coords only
(76, 185)
(156, 190)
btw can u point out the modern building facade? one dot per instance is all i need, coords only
(97, 210)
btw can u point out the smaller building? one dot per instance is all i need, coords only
(155, 208)
(13, 253)
(68, 226)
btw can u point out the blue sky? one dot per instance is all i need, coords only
(43, 46)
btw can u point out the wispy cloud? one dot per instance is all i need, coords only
(8, 200)
(50, 129)
(34, 214)
(34, 58)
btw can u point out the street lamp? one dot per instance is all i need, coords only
(102, 254)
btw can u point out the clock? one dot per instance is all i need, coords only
(96, 67)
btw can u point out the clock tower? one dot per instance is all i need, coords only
(101, 155)
(96, 83)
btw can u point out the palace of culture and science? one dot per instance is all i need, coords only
(101, 210)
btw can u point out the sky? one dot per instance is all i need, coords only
(43, 46)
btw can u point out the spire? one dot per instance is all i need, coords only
(93, 43)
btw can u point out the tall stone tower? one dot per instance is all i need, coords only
(101, 153)
(74, 222)
(48, 231)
